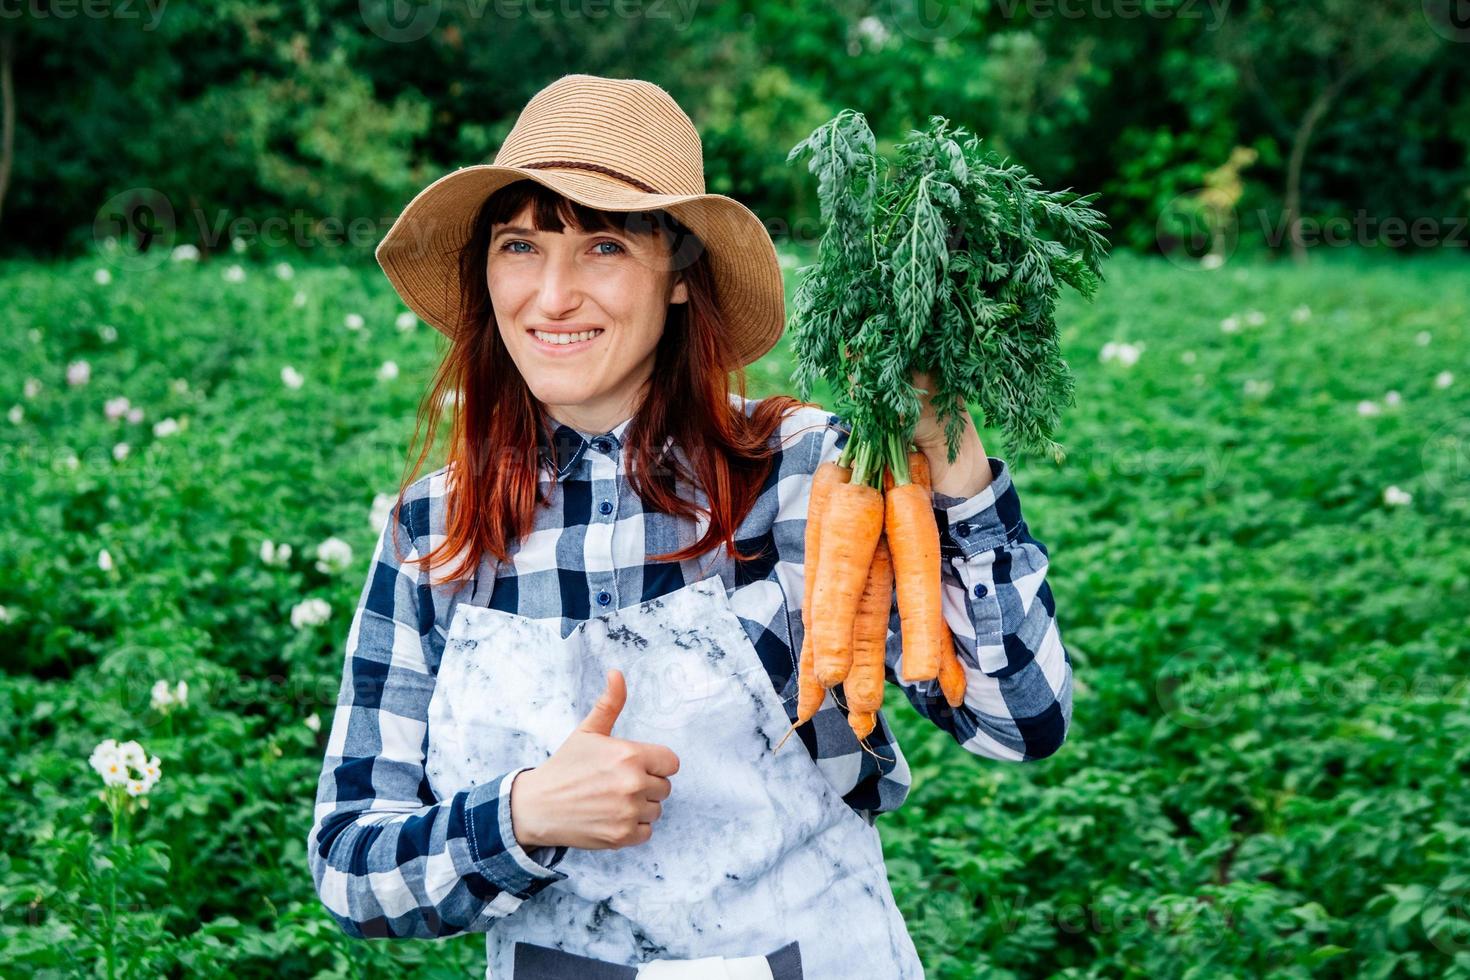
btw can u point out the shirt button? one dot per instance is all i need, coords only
(962, 529)
(603, 598)
(980, 591)
(605, 507)
(601, 445)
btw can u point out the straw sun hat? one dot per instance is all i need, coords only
(609, 143)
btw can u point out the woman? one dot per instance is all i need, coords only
(566, 741)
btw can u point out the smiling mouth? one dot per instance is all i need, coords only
(565, 339)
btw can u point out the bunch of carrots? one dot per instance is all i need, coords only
(861, 544)
(946, 261)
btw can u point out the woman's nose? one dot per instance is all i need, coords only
(559, 289)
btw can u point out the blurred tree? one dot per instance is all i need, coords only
(1298, 58)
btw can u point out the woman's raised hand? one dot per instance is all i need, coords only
(596, 791)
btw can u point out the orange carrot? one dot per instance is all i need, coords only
(863, 684)
(851, 527)
(810, 693)
(913, 539)
(951, 674)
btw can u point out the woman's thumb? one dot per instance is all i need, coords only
(605, 712)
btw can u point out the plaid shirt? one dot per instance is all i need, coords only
(392, 860)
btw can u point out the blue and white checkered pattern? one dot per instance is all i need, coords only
(392, 860)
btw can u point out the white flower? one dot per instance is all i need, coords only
(162, 696)
(406, 320)
(1124, 353)
(102, 277)
(78, 373)
(1392, 398)
(1255, 318)
(165, 697)
(235, 273)
(314, 722)
(284, 270)
(874, 30)
(107, 761)
(1422, 338)
(104, 560)
(115, 764)
(185, 253)
(274, 554)
(1188, 357)
(1394, 497)
(35, 335)
(299, 299)
(180, 386)
(116, 408)
(5, 615)
(69, 459)
(333, 556)
(167, 427)
(383, 504)
(120, 451)
(1366, 407)
(106, 749)
(132, 754)
(310, 612)
(135, 416)
(1212, 261)
(1444, 379)
(291, 377)
(33, 387)
(1230, 324)
(1258, 388)
(1301, 314)
(238, 244)
(388, 371)
(16, 414)
(107, 332)
(354, 321)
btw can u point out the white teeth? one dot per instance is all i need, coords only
(559, 339)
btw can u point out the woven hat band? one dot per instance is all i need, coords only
(595, 168)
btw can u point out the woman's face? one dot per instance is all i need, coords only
(569, 283)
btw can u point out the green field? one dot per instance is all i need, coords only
(1258, 553)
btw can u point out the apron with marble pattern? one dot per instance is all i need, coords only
(753, 850)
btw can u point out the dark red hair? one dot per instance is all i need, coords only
(494, 431)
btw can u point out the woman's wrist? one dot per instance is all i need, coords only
(523, 822)
(970, 471)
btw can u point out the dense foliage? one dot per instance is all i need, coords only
(1257, 553)
(314, 121)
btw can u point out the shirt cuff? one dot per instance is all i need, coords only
(493, 845)
(989, 519)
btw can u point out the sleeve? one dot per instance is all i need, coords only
(1000, 609)
(390, 860)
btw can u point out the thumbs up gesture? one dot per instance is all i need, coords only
(596, 791)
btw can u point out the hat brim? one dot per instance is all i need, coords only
(420, 252)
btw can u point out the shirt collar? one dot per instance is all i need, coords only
(567, 445)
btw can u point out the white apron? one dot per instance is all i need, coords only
(753, 851)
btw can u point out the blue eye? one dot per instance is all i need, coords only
(516, 241)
